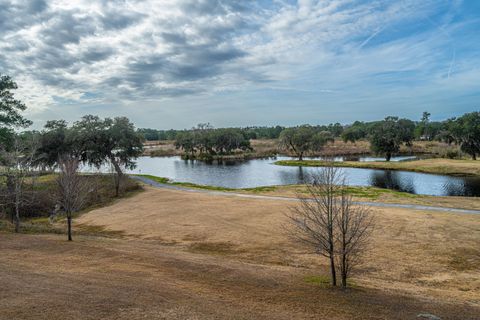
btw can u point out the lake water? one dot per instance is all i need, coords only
(262, 172)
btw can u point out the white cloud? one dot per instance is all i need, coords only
(126, 51)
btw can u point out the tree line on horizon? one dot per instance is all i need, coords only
(424, 129)
(385, 136)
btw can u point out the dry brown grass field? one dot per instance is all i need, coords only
(265, 147)
(181, 255)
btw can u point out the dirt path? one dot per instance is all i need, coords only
(156, 184)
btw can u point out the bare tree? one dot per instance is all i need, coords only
(328, 222)
(314, 219)
(20, 168)
(72, 189)
(353, 226)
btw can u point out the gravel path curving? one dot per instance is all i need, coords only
(253, 196)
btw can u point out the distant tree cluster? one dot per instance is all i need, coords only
(385, 136)
(304, 139)
(248, 132)
(205, 142)
(251, 133)
(157, 135)
(465, 131)
(388, 135)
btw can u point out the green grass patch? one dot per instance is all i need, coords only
(216, 248)
(261, 189)
(433, 166)
(201, 186)
(375, 193)
(321, 281)
(371, 193)
(154, 178)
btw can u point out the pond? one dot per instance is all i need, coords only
(262, 172)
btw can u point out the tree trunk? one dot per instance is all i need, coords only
(344, 281)
(388, 156)
(332, 270)
(300, 156)
(69, 227)
(117, 185)
(344, 270)
(474, 156)
(118, 176)
(11, 192)
(17, 219)
(17, 208)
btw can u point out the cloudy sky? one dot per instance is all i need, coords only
(175, 63)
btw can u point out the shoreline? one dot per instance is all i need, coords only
(359, 193)
(439, 166)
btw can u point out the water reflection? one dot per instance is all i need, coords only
(262, 172)
(389, 179)
(462, 187)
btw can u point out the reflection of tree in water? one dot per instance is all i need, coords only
(301, 175)
(293, 176)
(393, 180)
(468, 187)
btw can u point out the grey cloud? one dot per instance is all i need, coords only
(119, 20)
(174, 38)
(36, 6)
(56, 79)
(198, 45)
(50, 58)
(66, 28)
(96, 54)
(213, 7)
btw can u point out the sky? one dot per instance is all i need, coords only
(175, 63)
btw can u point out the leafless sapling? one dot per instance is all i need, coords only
(72, 189)
(313, 220)
(353, 226)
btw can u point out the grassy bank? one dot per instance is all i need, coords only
(436, 166)
(204, 187)
(360, 192)
(372, 194)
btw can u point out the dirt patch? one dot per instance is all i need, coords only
(214, 248)
(465, 259)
